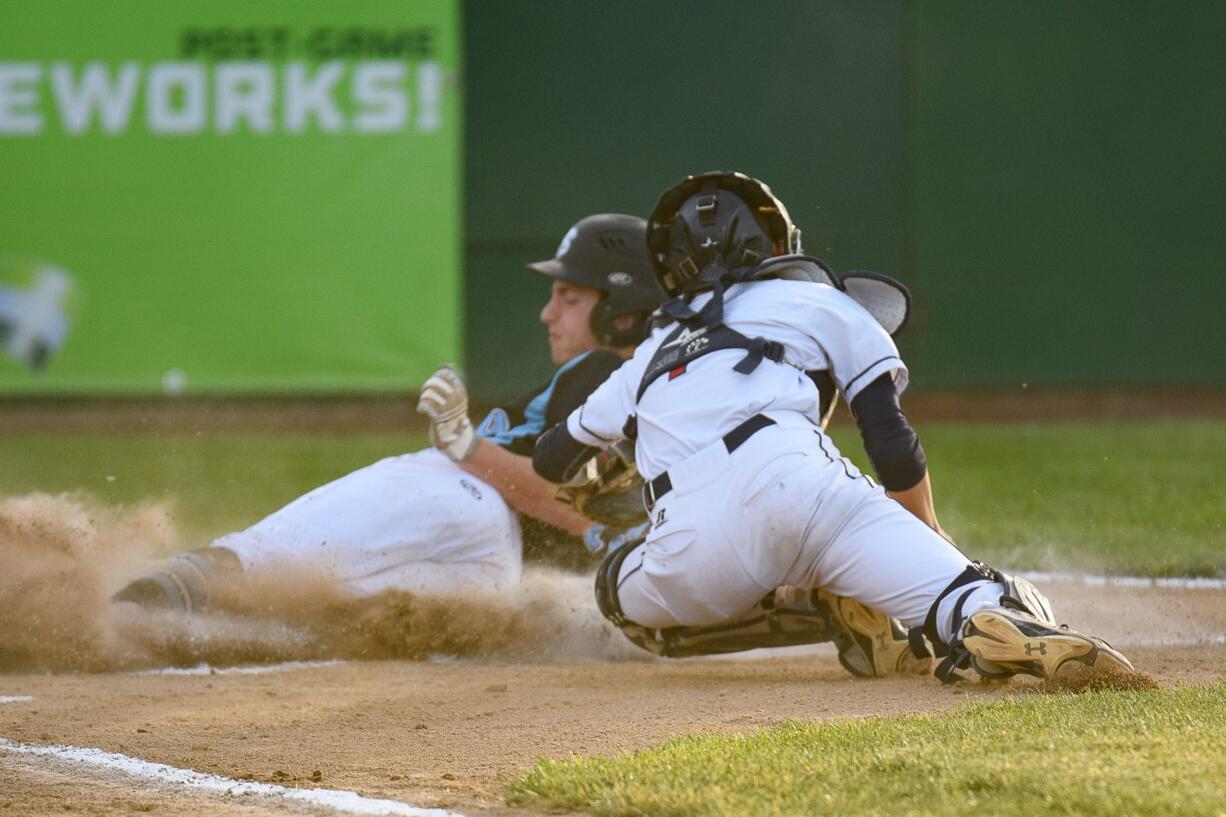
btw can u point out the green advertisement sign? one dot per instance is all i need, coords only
(228, 196)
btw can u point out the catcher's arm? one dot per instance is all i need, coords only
(918, 500)
(894, 450)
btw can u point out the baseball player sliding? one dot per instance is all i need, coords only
(744, 490)
(443, 519)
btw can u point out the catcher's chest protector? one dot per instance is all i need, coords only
(685, 345)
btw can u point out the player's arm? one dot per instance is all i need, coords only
(444, 399)
(864, 364)
(512, 476)
(894, 449)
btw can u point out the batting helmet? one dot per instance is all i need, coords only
(608, 252)
(712, 223)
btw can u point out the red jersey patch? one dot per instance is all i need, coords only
(677, 372)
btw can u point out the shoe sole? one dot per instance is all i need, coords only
(872, 629)
(1001, 645)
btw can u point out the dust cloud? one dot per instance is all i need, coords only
(62, 557)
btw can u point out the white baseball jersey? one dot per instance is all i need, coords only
(819, 327)
(784, 508)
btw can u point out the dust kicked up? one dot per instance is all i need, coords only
(62, 557)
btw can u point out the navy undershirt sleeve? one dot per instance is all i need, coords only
(891, 444)
(558, 455)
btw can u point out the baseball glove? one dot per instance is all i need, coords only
(608, 488)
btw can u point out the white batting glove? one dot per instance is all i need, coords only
(445, 401)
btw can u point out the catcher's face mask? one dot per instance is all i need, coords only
(718, 219)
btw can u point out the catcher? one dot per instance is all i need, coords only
(447, 518)
(745, 490)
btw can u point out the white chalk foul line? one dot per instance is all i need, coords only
(15, 699)
(1215, 640)
(344, 801)
(260, 669)
(1126, 581)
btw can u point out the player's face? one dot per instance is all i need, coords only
(567, 314)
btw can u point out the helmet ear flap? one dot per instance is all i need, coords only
(600, 320)
(603, 325)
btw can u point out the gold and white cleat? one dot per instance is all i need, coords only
(871, 644)
(1003, 642)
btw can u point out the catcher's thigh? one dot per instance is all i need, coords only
(784, 509)
(415, 522)
(719, 540)
(872, 549)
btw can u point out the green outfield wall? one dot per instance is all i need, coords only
(569, 113)
(276, 197)
(1066, 207)
(1046, 177)
(228, 196)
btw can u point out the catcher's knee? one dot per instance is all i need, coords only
(870, 644)
(786, 617)
(608, 572)
(185, 583)
(608, 575)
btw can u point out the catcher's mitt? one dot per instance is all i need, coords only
(608, 488)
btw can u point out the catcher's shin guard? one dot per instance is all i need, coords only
(1019, 636)
(786, 617)
(607, 574)
(185, 582)
(870, 643)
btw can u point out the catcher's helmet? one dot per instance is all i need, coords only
(712, 223)
(608, 252)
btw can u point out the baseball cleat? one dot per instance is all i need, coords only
(871, 644)
(1004, 642)
(185, 583)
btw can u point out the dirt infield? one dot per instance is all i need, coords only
(448, 731)
(430, 702)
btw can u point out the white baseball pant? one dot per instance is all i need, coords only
(785, 508)
(415, 522)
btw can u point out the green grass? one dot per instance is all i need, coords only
(1122, 497)
(1131, 498)
(1106, 753)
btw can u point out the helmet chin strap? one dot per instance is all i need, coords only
(712, 312)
